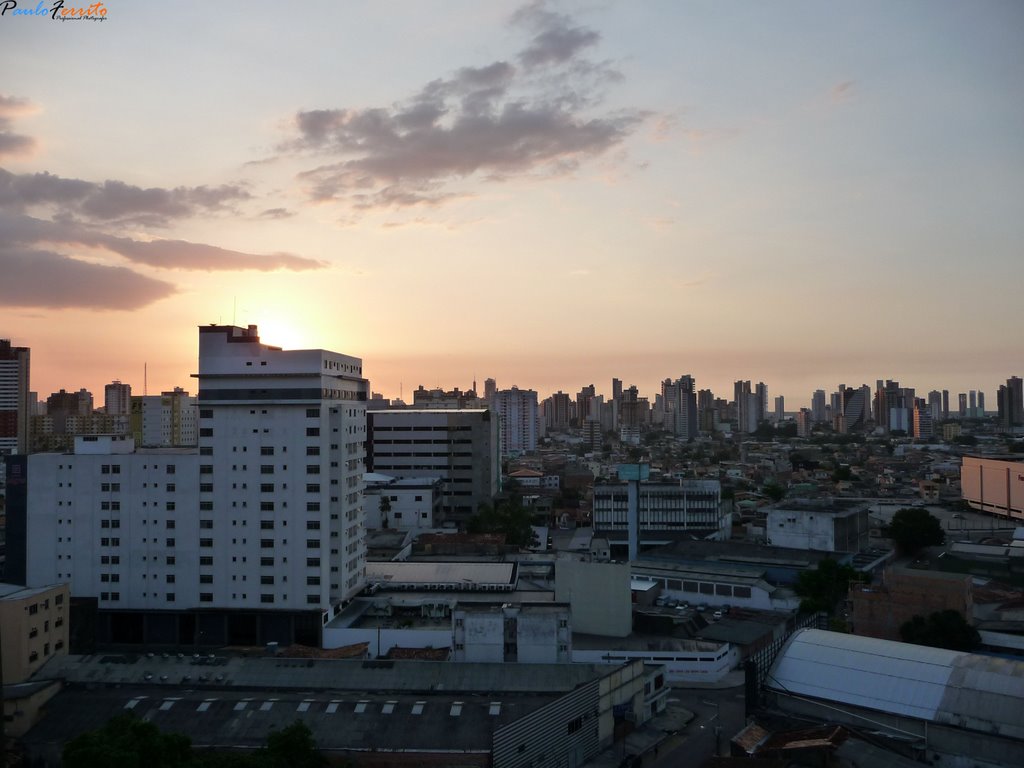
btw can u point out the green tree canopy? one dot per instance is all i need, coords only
(128, 742)
(773, 491)
(942, 629)
(825, 586)
(507, 517)
(914, 528)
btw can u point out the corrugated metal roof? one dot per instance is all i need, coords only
(962, 689)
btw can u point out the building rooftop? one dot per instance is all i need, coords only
(442, 575)
(966, 690)
(18, 592)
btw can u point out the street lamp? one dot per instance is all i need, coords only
(718, 724)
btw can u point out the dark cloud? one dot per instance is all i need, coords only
(276, 213)
(113, 200)
(38, 278)
(13, 143)
(556, 39)
(494, 122)
(29, 232)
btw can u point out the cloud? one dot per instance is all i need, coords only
(537, 118)
(556, 39)
(113, 200)
(276, 213)
(180, 254)
(30, 232)
(38, 278)
(13, 144)
(842, 92)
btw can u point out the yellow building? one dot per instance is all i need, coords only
(33, 628)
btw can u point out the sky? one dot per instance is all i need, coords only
(547, 193)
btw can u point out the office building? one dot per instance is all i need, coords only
(14, 398)
(818, 407)
(804, 422)
(780, 409)
(1010, 402)
(255, 535)
(167, 420)
(679, 507)
(458, 447)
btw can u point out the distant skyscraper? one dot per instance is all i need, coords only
(517, 416)
(746, 407)
(818, 406)
(945, 404)
(962, 410)
(981, 405)
(922, 423)
(972, 407)
(1010, 401)
(935, 405)
(780, 409)
(804, 420)
(556, 411)
(117, 399)
(583, 403)
(680, 402)
(490, 389)
(616, 389)
(14, 398)
(761, 390)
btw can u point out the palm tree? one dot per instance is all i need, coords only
(385, 508)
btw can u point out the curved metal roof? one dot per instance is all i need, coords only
(961, 689)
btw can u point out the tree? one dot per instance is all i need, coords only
(942, 629)
(127, 742)
(914, 528)
(825, 586)
(507, 517)
(293, 747)
(773, 491)
(384, 505)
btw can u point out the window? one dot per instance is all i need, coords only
(170, 578)
(266, 525)
(312, 506)
(312, 581)
(205, 597)
(206, 524)
(206, 543)
(266, 506)
(312, 488)
(312, 543)
(312, 450)
(267, 469)
(206, 469)
(312, 413)
(206, 578)
(266, 561)
(312, 599)
(206, 487)
(206, 431)
(265, 598)
(170, 560)
(312, 562)
(205, 506)
(205, 413)
(170, 524)
(206, 560)
(171, 469)
(170, 542)
(206, 450)
(575, 724)
(312, 469)
(266, 487)
(266, 543)
(266, 579)
(170, 597)
(312, 525)
(312, 431)
(266, 450)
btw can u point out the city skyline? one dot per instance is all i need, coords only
(549, 194)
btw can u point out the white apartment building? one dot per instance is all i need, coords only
(167, 420)
(687, 505)
(517, 416)
(264, 516)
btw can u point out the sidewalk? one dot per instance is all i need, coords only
(644, 739)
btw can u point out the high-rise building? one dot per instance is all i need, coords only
(490, 389)
(962, 409)
(945, 404)
(780, 409)
(761, 390)
(259, 528)
(923, 426)
(584, 402)
(981, 405)
(679, 400)
(747, 406)
(14, 398)
(167, 420)
(458, 447)
(517, 418)
(1010, 402)
(556, 411)
(804, 420)
(972, 404)
(935, 405)
(117, 399)
(818, 406)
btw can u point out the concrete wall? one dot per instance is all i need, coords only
(680, 666)
(598, 595)
(383, 640)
